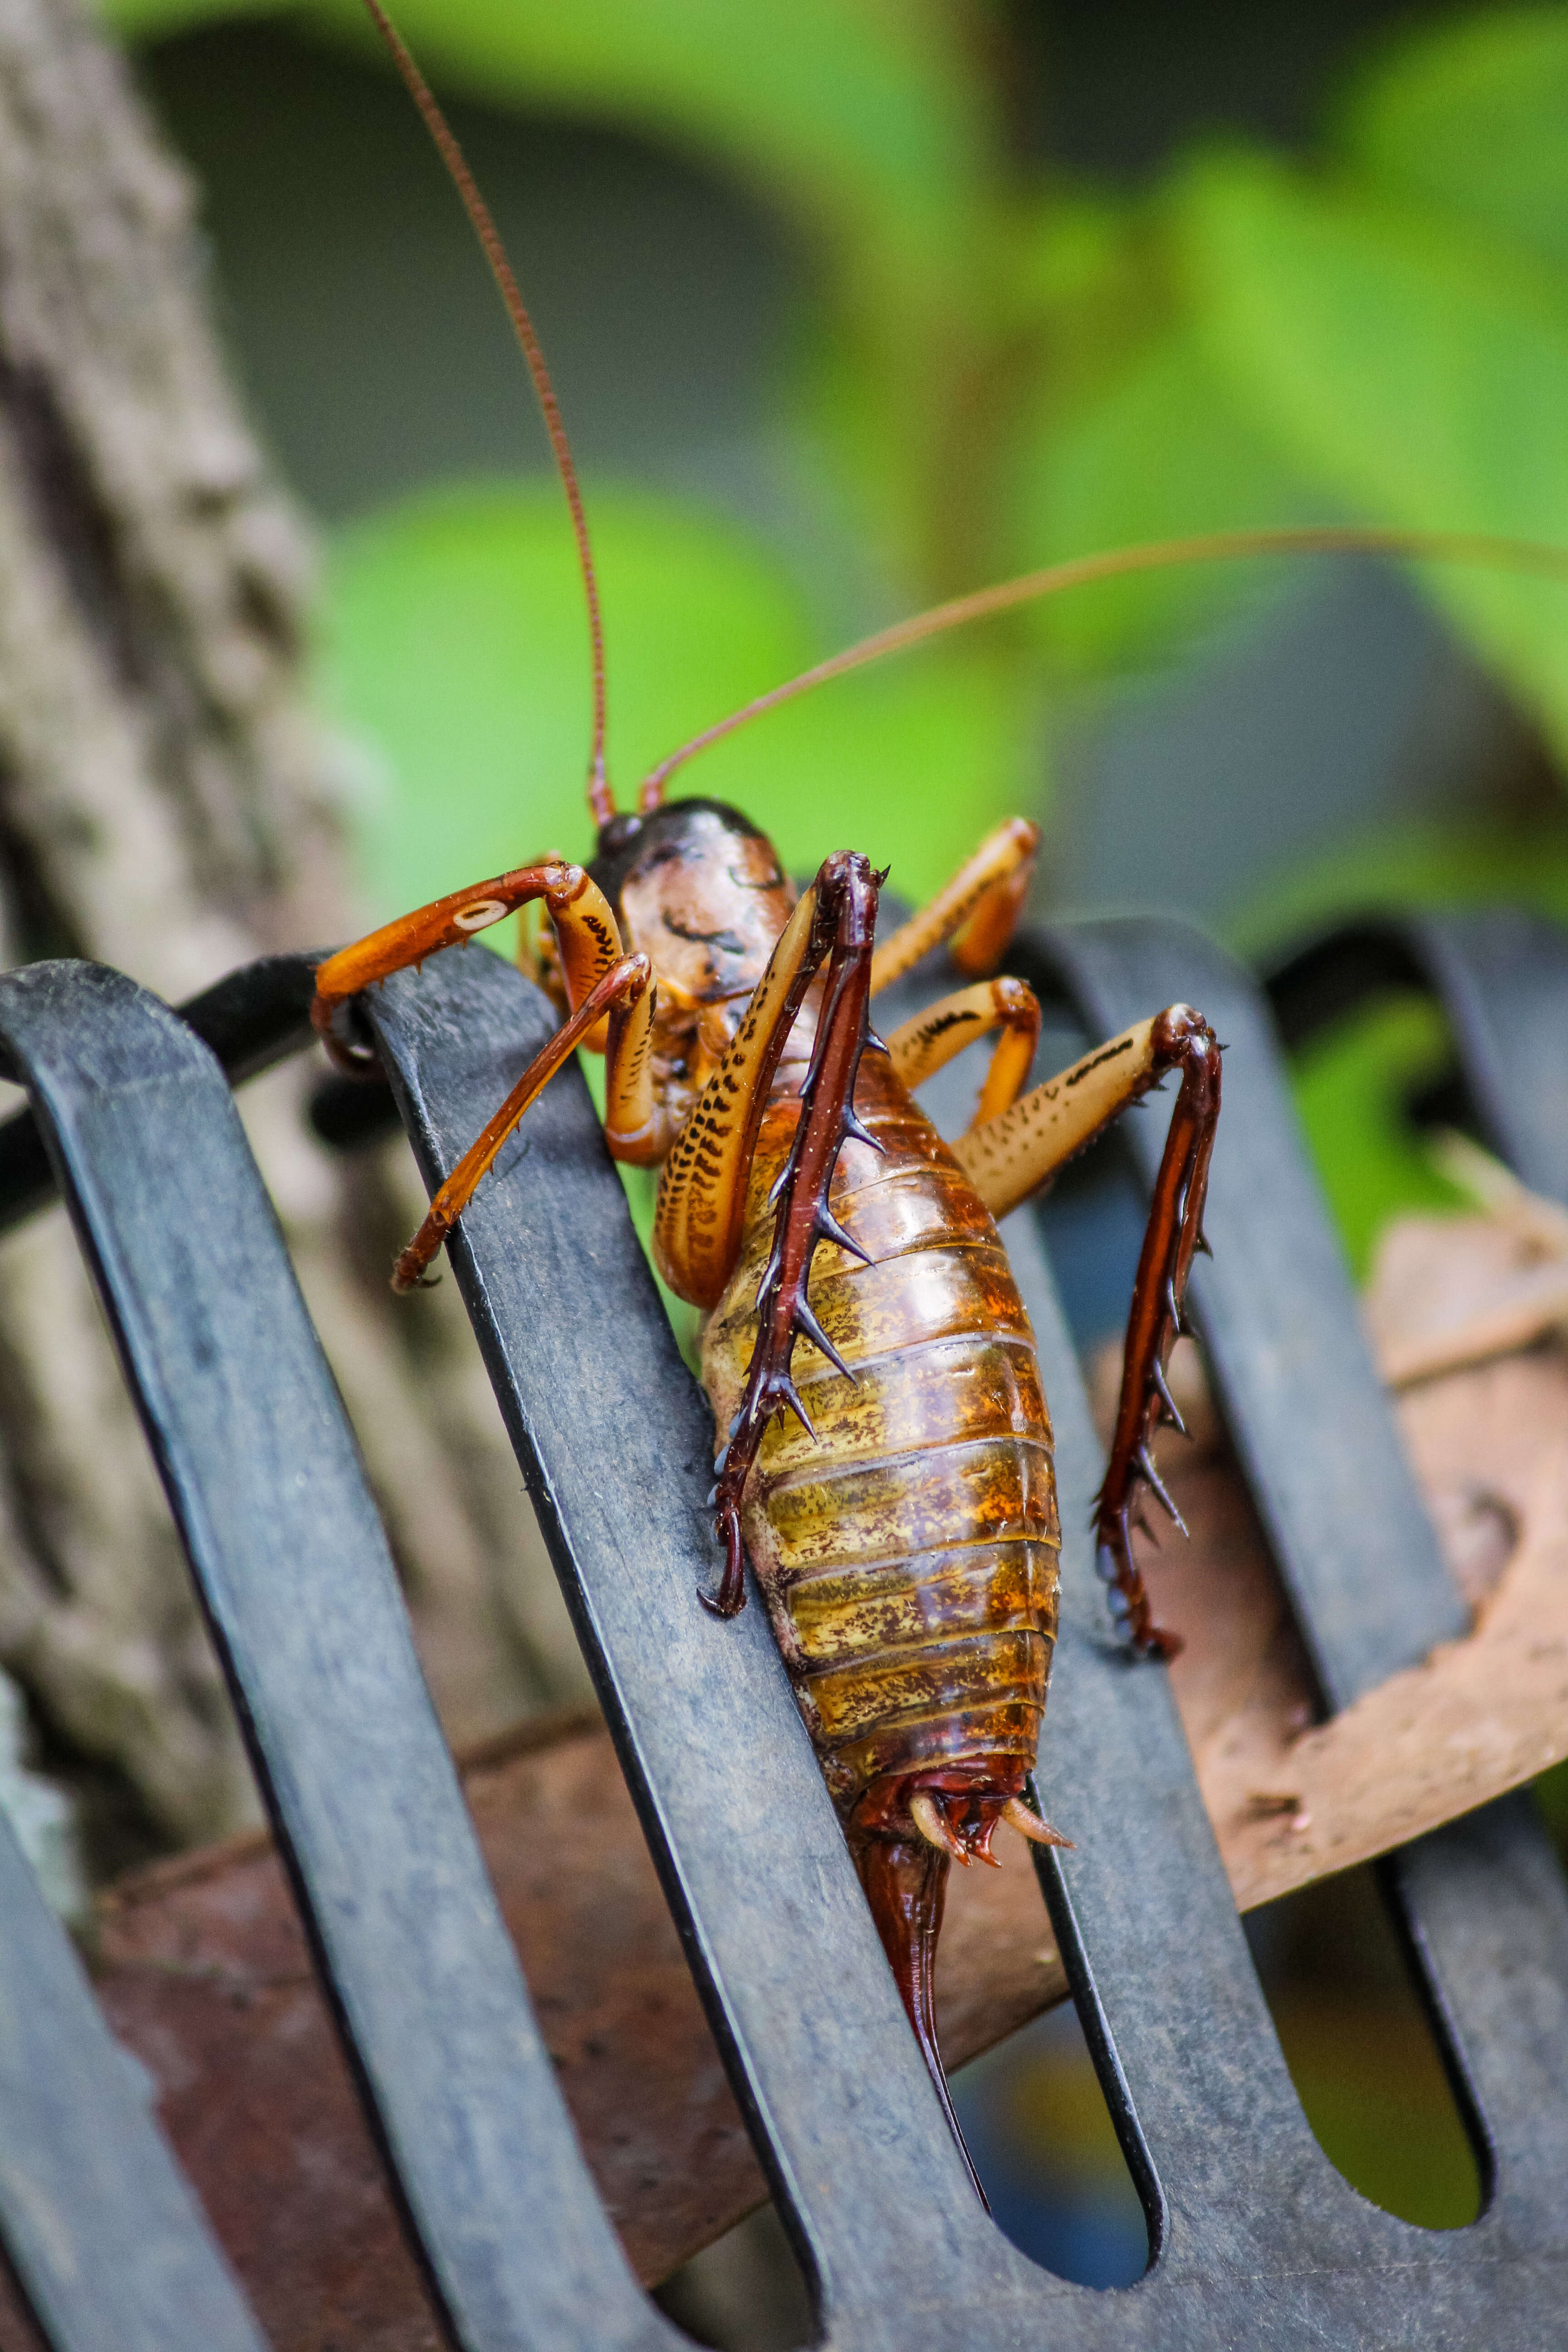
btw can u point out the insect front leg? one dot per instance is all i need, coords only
(623, 996)
(1014, 1155)
(588, 941)
(703, 1193)
(928, 1041)
(612, 1002)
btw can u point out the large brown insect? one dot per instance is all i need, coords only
(886, 1462)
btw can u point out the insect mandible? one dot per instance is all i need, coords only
(886, 1460)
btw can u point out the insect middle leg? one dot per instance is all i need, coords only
(1014, 1155)
(929, 1041)
(624, 994)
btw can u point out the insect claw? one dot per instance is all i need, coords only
(731, 1596)
(420, 1282)
(1145, 1462)
(1154, 1642)
(931, 1821)
(785, 1394)
(1157, 1374)
(806, 1324)
(1030, 1826)
(828, 1226)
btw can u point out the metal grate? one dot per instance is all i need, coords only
(1258, 2240)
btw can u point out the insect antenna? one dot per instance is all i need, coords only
(1157, 555)
(601, 800)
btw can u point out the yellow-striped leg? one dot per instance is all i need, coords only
(926, 1044)
(1014, 1155)
(977, 910)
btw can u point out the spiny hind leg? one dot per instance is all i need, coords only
(977, 911)
(1016, 1154)
(926, 1044)
(702, 1192)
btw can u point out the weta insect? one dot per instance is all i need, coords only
(886, 1465)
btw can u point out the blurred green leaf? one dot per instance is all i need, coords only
(459, 648)
(1124, 431)
(851, 106)
(1471, 118)
(1351, 1087)
(1163, 451)
(1353, 1084)
(1416, 375)
(867, 127)
(458, 652)
(1412, 864)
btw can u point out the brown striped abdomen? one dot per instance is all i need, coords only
(908, 1555)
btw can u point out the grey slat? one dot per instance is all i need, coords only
(1353, 1541)
(108, 2244)
(1489, 1891)
(1279, 1317)
(1503, 975)
(266, 1486)
(251, 1019)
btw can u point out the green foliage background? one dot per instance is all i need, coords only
(992, 368)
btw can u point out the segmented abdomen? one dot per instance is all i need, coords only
(908, 1554)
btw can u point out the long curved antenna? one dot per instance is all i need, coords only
(601, 800)
(1157, 555)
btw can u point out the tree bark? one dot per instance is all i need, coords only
(170, 803)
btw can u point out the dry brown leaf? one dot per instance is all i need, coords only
(1480, 1717)
(1292, 1802)
(1449, 1291)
